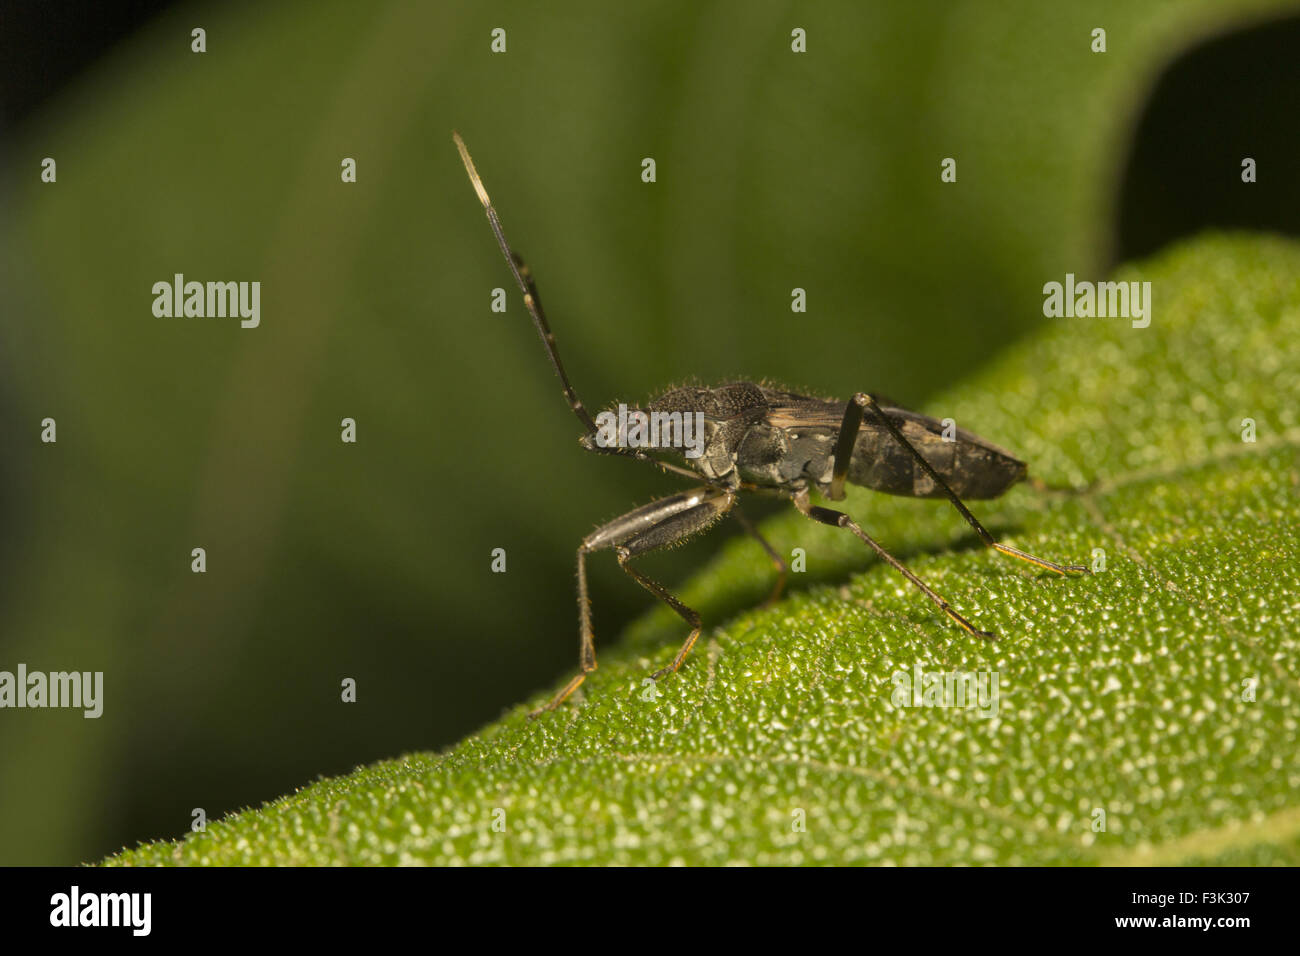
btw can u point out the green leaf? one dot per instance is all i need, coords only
(1127, 691)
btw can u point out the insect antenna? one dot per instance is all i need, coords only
(524, 277)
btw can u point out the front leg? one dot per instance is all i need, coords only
(659, 524)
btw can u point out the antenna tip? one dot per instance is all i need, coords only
(470, 170)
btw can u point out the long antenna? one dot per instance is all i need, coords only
(532, 301)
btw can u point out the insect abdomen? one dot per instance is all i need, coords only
(973, 467)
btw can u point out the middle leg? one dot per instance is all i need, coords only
(782, 569)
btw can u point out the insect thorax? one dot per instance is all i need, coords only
(740, 443)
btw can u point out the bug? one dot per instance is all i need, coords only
(758, 438)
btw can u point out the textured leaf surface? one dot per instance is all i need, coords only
(1126, 691)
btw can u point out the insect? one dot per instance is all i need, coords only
(757, 438)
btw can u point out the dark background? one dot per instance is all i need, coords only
(371, 561)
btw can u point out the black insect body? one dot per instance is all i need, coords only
(771, 438)
(744, 437)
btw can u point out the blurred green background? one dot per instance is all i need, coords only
(775, 170)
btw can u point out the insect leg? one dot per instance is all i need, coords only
(586, 643)
(840, 520)
(844, 446)
(862, 399)
(781, 569)
(659, 524)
